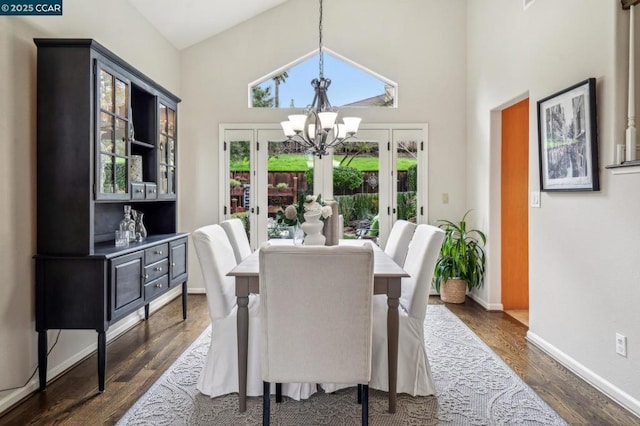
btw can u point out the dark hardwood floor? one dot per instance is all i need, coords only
(138, 358)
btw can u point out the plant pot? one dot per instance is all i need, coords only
(453, 291)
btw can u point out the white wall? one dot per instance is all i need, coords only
(420, 44)
(129, 36)
(584, 262)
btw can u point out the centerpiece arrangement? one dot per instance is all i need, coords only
(309, 215)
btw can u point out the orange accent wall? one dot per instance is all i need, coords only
(515, 199)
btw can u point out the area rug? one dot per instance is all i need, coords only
(473, 387)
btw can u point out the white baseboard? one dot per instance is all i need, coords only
(198, 290)
(604, 386)
(488, 306)
(115, 331)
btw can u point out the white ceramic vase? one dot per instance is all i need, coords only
(312, 227)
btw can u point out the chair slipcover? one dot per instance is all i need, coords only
(399, 239)
(220, 373)
(316, 313)
(414, 373)
(238, 238)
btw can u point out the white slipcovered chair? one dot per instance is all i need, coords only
(238, 238)
(316, 316)
(399, 239)
(220, 373)
(414, 373)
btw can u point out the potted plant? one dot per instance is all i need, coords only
(461, 264)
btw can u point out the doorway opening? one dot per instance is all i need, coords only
(514, 211)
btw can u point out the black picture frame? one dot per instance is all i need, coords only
(568, 139)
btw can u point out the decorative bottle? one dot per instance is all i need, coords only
(128, 224)
(141, 231)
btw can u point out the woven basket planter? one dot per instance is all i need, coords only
(453, 291)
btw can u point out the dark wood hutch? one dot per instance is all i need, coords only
(95, 114)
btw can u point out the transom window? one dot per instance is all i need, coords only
(351, 85)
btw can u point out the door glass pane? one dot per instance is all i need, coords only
(122, 182)
(356, 182)
(172, 180)
(289, 180)
(106, 174)
(239, 177)
(122, 98)
(106, 132)
(106, 91)
(163, 149)
(164, 180)
(171, 152)
(406, 146)
(121, 136)
(163, 119)
(171, 121)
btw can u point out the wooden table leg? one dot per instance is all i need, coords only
(243, 347)
(392, 348)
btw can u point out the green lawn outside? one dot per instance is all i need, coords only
(298, 163)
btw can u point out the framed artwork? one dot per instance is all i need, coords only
(568, 139)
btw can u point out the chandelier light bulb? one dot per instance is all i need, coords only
(327, 119)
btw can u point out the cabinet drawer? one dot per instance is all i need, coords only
(156, 288)
(155, 253)
(156, 270)
(151, 191)
(137, 191)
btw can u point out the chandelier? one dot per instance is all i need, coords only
(316, 128)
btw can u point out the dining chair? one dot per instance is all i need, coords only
(316, 317)
(238, 238)
(220, 373)
(399, 239)
(414, 373)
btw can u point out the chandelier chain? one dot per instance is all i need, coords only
(320, 54)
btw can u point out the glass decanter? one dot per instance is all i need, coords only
(128, 224)
(141, 231)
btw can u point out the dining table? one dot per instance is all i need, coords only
(387, 276)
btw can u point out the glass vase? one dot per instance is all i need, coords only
(141, 231)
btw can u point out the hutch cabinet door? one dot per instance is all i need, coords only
(178, 261)
(127, 281)
(113, 94)
(167, 132)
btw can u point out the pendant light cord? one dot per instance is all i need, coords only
(320, 54)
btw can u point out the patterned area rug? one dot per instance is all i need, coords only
(473, 387)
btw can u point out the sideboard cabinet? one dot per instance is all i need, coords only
(106, 138)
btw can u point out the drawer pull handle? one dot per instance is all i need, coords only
(157, 268)
(159, 285)
(139, 190)
(146, 276)
(158, 252)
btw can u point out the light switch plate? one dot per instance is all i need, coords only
(535, 199)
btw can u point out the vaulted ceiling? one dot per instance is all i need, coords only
(188, 22)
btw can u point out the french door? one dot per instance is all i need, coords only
(254, 188)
